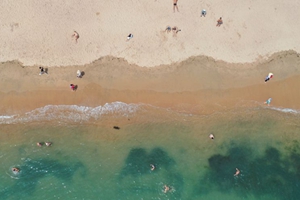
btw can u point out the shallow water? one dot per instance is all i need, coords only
(89, 159)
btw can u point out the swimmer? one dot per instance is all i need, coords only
(211, 136)
(15, 170)
(76, 36)
(152, 167)
(237, 172)
(48, 144)
(166, 188)
(39, 144)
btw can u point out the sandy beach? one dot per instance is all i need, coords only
(198, 85)
(40, 32)
(200, 69)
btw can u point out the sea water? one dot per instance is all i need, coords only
(90, 159)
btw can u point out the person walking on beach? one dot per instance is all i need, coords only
(175, 5)
(129, 37)
(203, 13)
(76, 36)
(42, 70)
(268, 101)
(219, 22)
(73, 87)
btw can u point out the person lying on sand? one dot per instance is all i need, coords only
(168, 29)
(175, 29)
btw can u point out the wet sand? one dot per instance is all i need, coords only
(197, 85)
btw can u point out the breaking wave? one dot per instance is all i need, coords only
(72, 113)
(286, 110)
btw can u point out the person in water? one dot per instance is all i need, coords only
(237, 172)
(211, 136)
(15, 170)
(48, 144)
(166, 188)
(39, 144)
(152, 167)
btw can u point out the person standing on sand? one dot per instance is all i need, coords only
(203, 13)
(175, 5)
(76, 36)
(73, 87)
(268, 101)
(219, 22)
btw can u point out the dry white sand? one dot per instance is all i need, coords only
(39, 32)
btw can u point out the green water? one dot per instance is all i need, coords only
(91, 161)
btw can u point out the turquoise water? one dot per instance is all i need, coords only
(89, 159)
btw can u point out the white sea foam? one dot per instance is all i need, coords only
(286, 110)
(73, 113)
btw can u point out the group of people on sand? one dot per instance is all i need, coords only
(72, 86)
(174, 29)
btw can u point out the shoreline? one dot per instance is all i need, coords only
(197, 85)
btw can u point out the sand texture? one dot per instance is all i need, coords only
(39, 32)
(197, 85)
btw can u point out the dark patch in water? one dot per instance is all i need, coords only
(34, 170)
(267, 175)
(138, 163)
